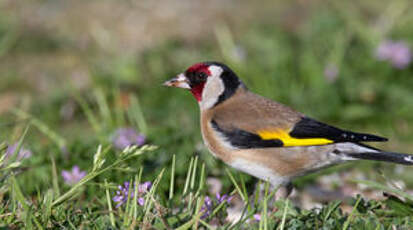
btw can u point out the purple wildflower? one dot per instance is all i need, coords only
(223, 198)
(74, 176)
(207, 207)
(22, 154)
(209, 204)
(141, 201)
(122, 193)
(125, 137)
(257, 217)
(396, 52)
(144, 187)
(331, 72)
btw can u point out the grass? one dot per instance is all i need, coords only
(66, 122)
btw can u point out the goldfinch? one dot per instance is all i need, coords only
(267, 139)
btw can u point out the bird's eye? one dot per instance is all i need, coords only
(202, 76)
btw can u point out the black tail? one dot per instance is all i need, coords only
(399, 158)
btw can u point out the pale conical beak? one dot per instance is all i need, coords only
(179, 81)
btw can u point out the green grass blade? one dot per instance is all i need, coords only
(109, 202)
(193, 176)
(331, 210)
(55, 177)
(347, 223)
(237, 187)
(201, 179)
(135, 201)
(264, 215)
(172, 183)
(282, 226)
(47, 205)
(188, 176)
(19, 200)
(126, 216)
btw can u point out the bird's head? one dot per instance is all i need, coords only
(210, 82)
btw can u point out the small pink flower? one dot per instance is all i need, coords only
(396, 52)
(257, 217)
(22, 154)
(74, 176)
(331, 72)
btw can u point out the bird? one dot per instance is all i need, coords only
(267, 139)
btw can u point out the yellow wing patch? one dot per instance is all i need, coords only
(291, 141)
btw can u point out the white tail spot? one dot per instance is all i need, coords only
(408, 158)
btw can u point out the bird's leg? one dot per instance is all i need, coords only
(284, 191)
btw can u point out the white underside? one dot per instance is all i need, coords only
(259, 171)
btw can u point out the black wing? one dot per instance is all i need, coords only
(245, 140)
(310, 128)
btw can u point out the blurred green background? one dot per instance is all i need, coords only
(86, 68)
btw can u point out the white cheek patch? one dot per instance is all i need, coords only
(213, 88)
(215, 70)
